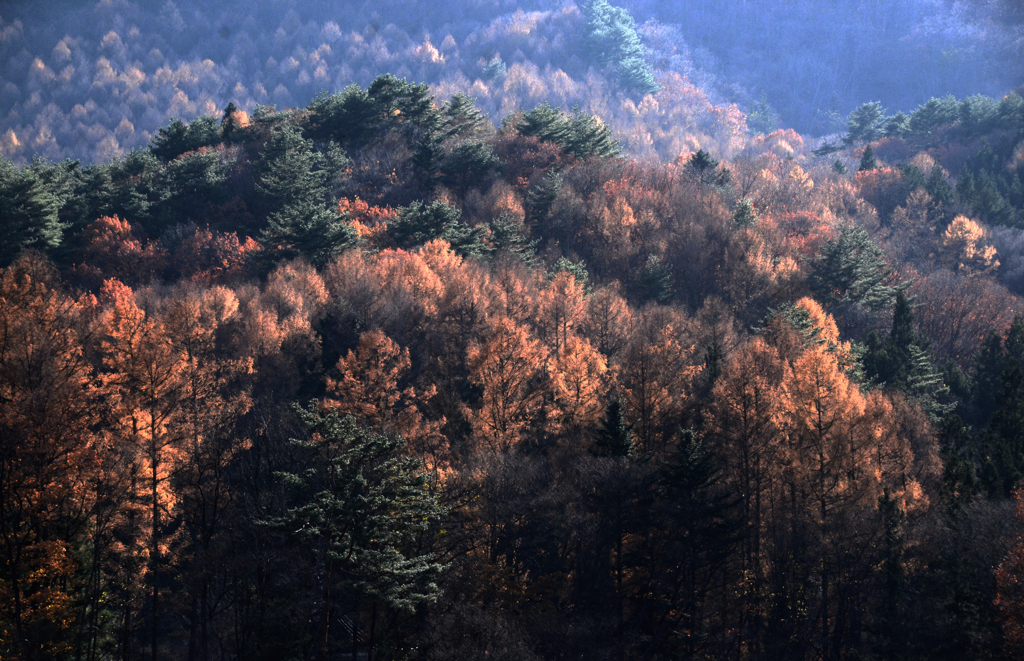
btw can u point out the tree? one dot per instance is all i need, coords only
(146, 375)
(744, 215)
(359, 510)
(1010, 596)
(865, 123)
(50, 459)
(293, 182)
(612, 39)
(614, 437)
(508, 367)
(419, 223)
(867, 160)
(852, 269)
(28, 212)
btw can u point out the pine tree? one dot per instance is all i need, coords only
(865, 123)
(656, 281)
(867, 160)
(851, 268)
(744, 214)
(28, 212)
(294, 182)
(615, 436)
(418, 223)
(360, 509)
(612, 39)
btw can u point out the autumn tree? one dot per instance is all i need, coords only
(146, 374)
(508, 366)
(49, 459)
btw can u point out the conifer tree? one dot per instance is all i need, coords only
(28, 212)
(615, 437)
(294, 183)
(359, 509)
(612, 38)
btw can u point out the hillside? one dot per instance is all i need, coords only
(363, 371)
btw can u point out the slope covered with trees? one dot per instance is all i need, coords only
(372, 376)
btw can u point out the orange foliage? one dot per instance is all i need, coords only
(207, 256)
(508, 366)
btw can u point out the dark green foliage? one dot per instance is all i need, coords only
(902, 363)
(194, 180)
(852, 269)
(987, 371)
(179, 138)
(359, 508)
(467, 165)
(418, 223)
(867, 160)
(932, 115)
(655, 282)
(838, 167)
(451, 148)
(959, 482)
(897, 126)
(865, 124)
(590, 137)
(579, 134)
(506, 236)
(542, 196)
(577, 270)
(28, 212)
(978, 114)
(294, 184)
(1004, 439)
(353, 116)
(744, 215)
(613, 41)
(615, 436)
(706, 170)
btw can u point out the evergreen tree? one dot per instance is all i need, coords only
(852, 269)
(744, 214)
(540, 198)
(865, 124)
(987, 371)
(418, 223)
(706, 170)
(867, 160)
(294, 183)
(506, 236)
(360, 508)
(903, 364)
(656, 281)
(1004, 439)
(615, 436)
(612, 39)
(28, 212)
(578, 270)
(179, 138)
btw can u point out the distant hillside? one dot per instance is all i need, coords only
(92, 81)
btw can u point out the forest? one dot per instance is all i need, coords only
(584, 363)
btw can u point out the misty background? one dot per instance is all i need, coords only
(92, 81)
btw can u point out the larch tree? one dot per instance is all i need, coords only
(508, 366)
(49, 458)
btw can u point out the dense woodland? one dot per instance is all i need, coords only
(374, 377)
